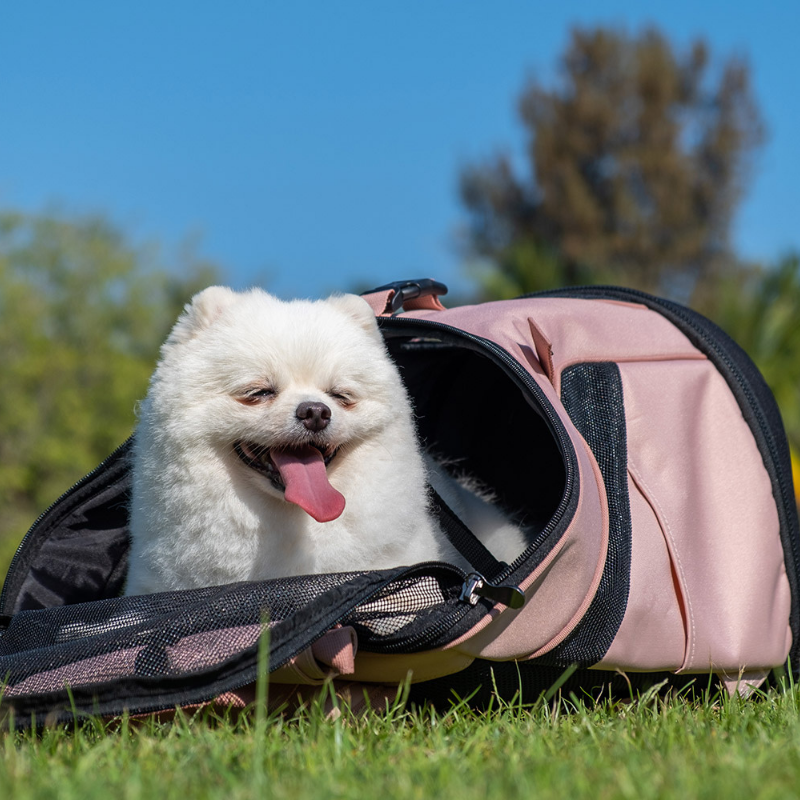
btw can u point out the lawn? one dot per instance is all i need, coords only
(649, 747)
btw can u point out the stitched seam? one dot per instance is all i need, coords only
(653, 500)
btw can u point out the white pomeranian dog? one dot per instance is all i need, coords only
(277, 439)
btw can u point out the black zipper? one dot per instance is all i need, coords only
(473, 587)
(494, 352)
(457, 607)
(424, 569)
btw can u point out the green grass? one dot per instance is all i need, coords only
(647, 748)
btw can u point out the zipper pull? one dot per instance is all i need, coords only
(476, 586)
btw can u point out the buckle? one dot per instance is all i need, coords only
(409, 290)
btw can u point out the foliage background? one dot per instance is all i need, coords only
(637, 154)
(82, 315)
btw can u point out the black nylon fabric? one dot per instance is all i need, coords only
(78, 550)
(592, 395)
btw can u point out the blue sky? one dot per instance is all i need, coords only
(315, 145)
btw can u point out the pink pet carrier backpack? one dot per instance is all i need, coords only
(634, 440)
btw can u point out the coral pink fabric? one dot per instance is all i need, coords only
(329, 657)
(694, 462)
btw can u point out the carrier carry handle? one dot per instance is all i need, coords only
(408, 295)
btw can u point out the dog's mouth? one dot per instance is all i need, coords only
(300, 472)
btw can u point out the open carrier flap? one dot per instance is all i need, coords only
(152, 652)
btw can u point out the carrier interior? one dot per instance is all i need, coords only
(477, 418)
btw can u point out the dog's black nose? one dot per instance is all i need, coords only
(315, 416)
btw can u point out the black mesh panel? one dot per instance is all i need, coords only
(592, 396)
(155, 651)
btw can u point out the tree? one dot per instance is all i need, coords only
(637, 161)
(760, 309)
(82, 316)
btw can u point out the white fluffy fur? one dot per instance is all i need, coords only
(200, 516)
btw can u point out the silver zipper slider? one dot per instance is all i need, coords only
(476, 586)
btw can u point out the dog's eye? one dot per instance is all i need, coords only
(253, 396)
(344, 398)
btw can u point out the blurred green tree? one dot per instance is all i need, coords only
(82, 315)
(636, 162)
(760, 309)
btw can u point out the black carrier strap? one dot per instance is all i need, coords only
(464, 540)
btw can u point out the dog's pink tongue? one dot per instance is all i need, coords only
(306, 480)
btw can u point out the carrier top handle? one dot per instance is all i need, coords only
(410, 295)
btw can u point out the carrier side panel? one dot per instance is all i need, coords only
(756, 402)
(697, 472)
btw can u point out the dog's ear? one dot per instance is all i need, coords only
(200, 312)
(358, 309)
